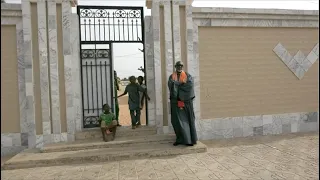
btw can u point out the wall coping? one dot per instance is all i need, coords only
(10, 11)
(10, 6)
(255, 11)
(255, 17)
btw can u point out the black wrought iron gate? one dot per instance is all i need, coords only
(100, 27)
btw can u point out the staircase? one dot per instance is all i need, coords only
(89, 148)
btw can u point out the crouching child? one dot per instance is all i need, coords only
(108, 123)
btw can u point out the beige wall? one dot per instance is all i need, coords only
(240, 75)
(10, 114)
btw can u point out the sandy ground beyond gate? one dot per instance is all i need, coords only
(124, 114)
(269, 157)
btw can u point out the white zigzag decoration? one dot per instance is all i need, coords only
(299, 64)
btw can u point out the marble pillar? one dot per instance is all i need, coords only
(76, 76)
(54, 74)
(68, 65)
(168, 56)
(44, 66)
(176, 31)
(155, 12)
(150, 70)
(28, 127)
(193, 59)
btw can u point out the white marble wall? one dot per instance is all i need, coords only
(54, 72)
(148, 48)
(246, 126)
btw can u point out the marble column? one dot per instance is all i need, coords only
(155, 12)
(68, 65)
(28, 127)
(168, 57)
(176, 30)
(193, 59)
(44, 65)
(150, 70)
(76, 76)
(54, 74)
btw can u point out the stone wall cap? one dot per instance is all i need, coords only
(254, 11)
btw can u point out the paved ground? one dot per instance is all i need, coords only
(269, 157)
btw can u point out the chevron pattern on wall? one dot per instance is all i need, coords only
(299, 64)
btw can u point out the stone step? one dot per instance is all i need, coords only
(33, 158)
(118, 142)
(126, 131)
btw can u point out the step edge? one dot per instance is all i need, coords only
(118, 157)
(105, 146)
(197, 147)
(139, 139)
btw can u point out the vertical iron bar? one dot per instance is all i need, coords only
(101, 83)
(144, 61)
(132, 29)
(111, 75)
(87, 86)
(85, 29)
(123, 29)
(97, 86)
(128, 26)
(105, 75)
(92, 86)
(119, 29)
(109, 26)
(114, 28)
(137, 29)
(104, 29)
(90, 29)
(99, 30)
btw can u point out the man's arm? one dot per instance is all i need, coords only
(124, 93)
(144, 90)
(186, 87)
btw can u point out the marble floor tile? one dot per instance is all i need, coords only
(266, 158)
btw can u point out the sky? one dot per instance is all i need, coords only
(128, 58)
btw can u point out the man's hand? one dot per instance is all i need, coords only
(148, 98)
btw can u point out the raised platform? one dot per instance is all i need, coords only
(92, 149)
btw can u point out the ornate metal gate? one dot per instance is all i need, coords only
(100, 27)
